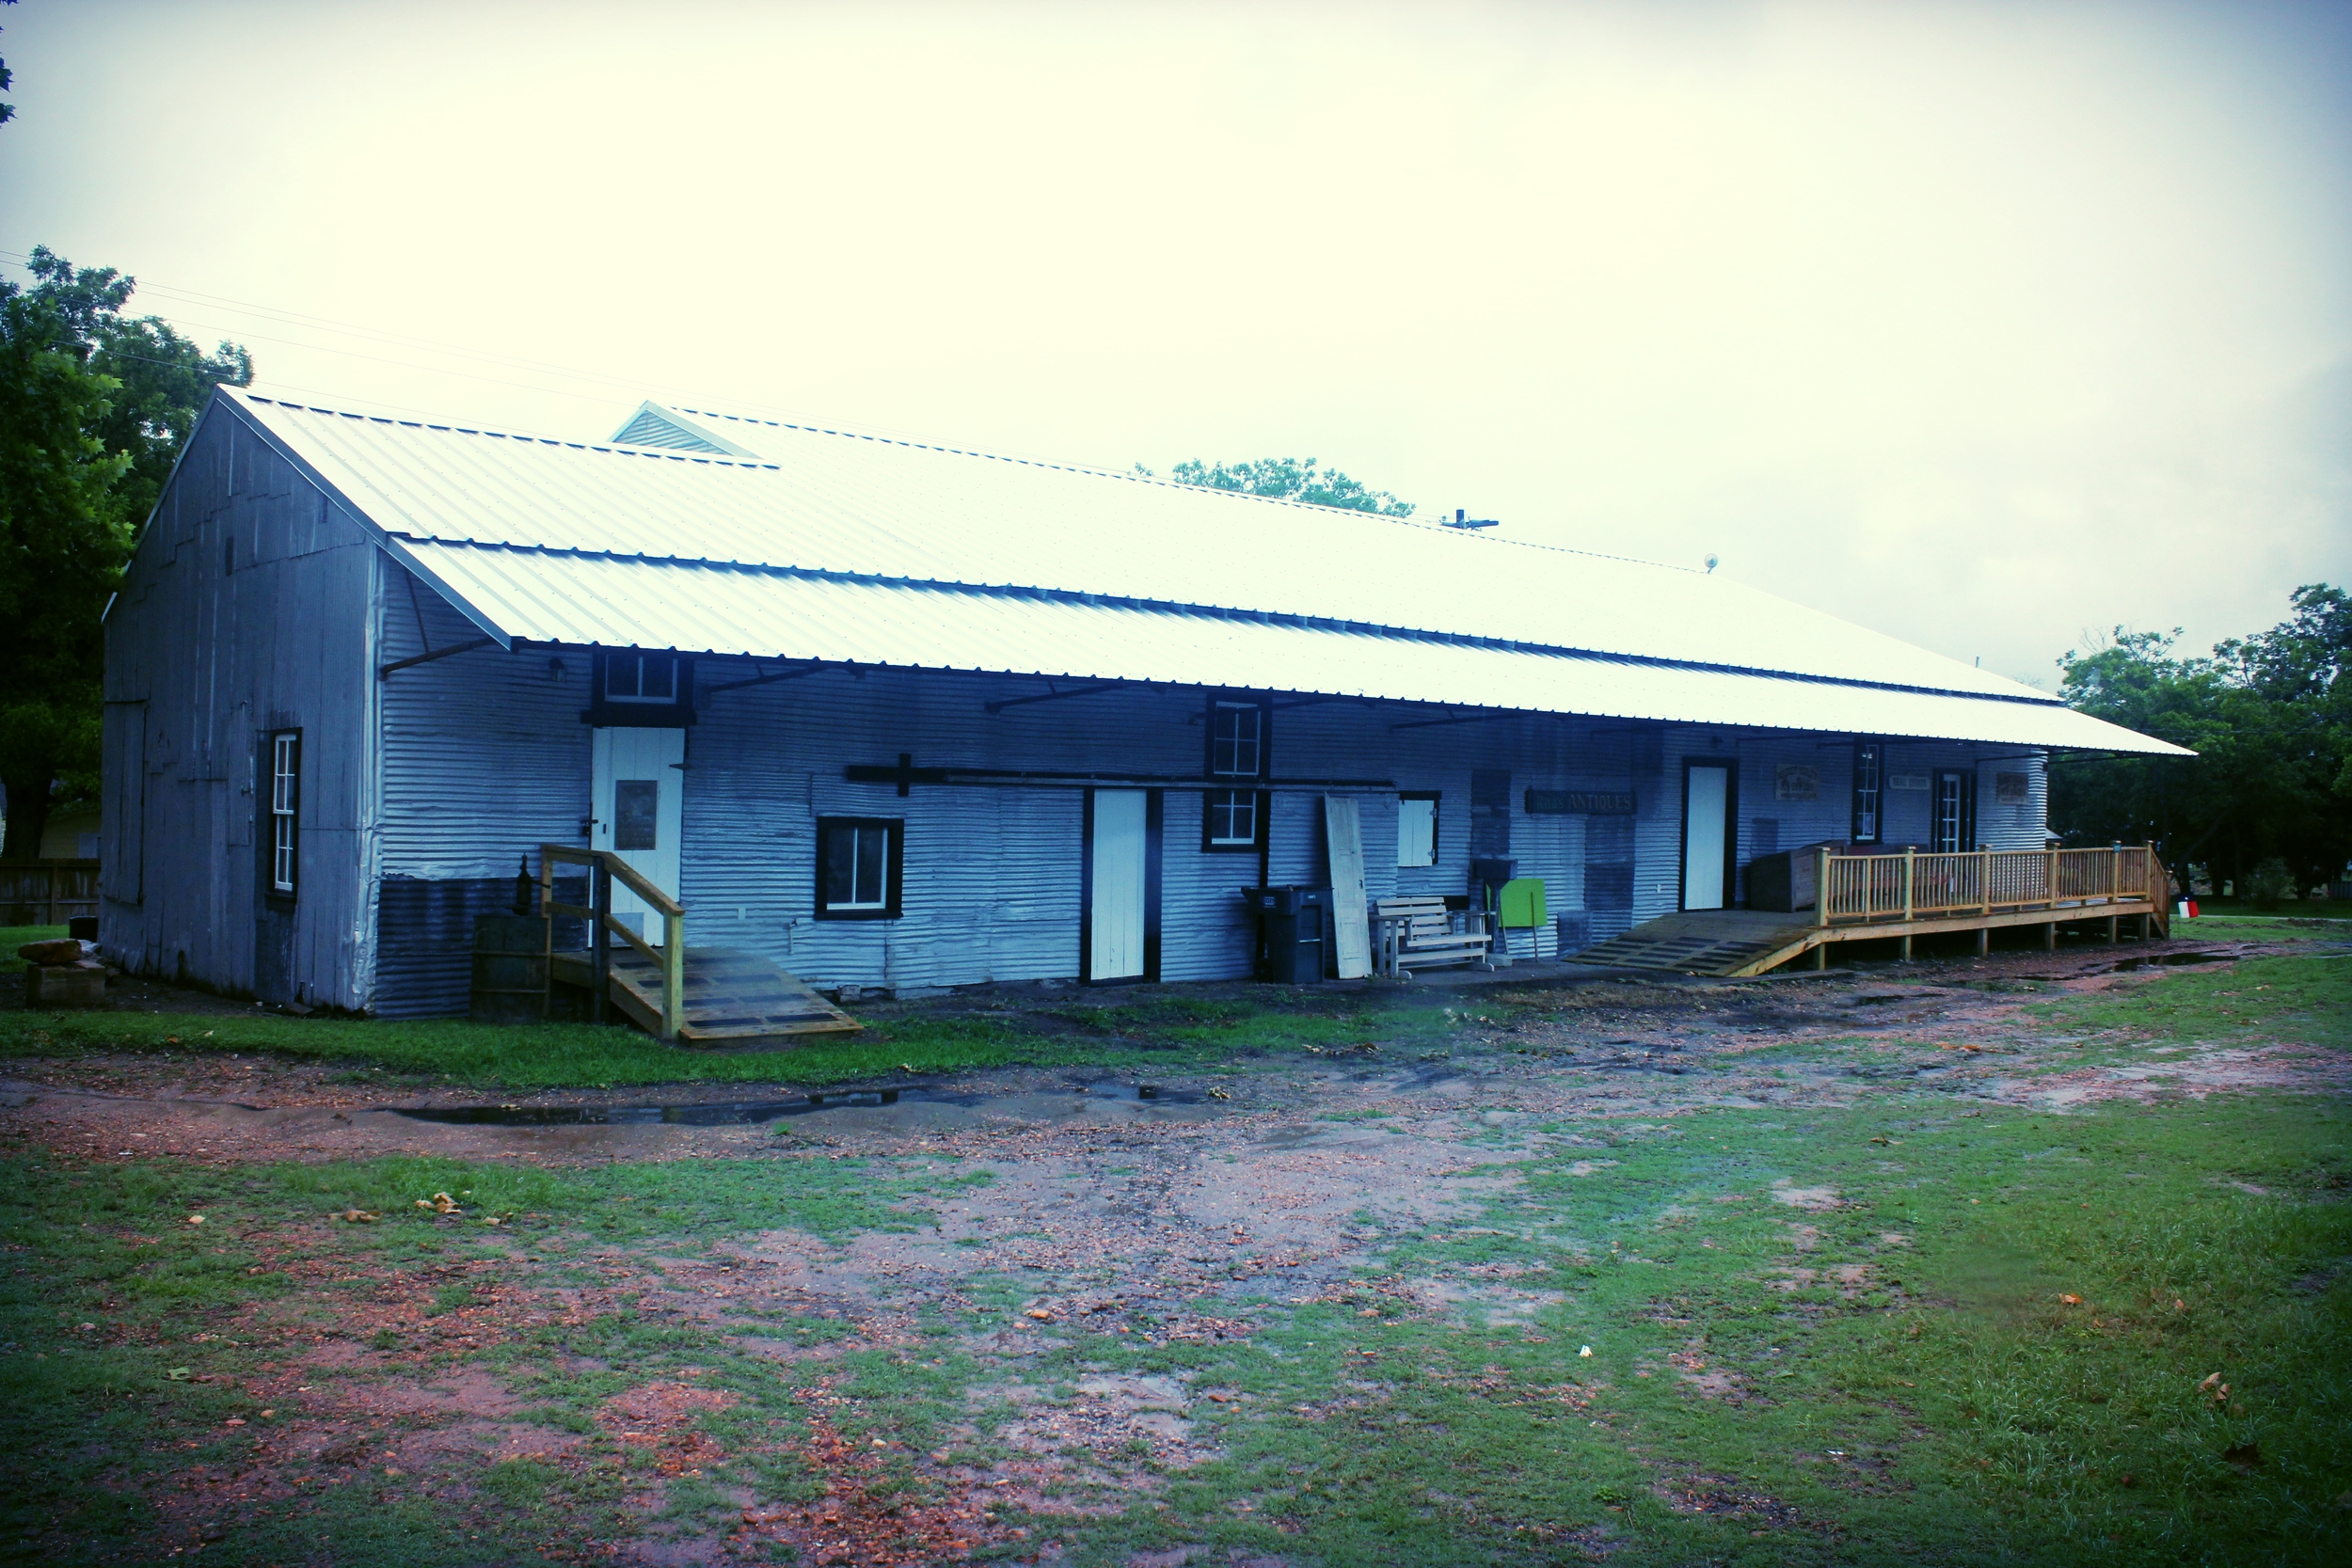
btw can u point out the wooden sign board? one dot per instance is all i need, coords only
(1579, 803)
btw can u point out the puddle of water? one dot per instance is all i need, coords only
(737, 1112)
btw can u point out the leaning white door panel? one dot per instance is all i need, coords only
(1116, 894)
(1705, 815)
(641, 811)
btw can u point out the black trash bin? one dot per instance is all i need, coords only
(1290, 933)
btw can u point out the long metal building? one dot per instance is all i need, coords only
(899, 716)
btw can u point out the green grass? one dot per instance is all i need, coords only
(1946, 1406)
(14, 937)
(1891, 1377)
(2297, 999)
(1142, 1038)
(182, 1314)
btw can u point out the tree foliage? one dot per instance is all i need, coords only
(2270, 718)
(94, 407)
(1290, 478)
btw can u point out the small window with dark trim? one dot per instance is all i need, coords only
(1231, 819)
(285, 806)
(859, 861)
(1417, 827)
(1869, 782)
(630, 676)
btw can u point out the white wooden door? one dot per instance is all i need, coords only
(1705, 817)
(1116, 894)
(1351, 918)
(641, 811)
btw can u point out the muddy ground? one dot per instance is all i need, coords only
(1164, 1219)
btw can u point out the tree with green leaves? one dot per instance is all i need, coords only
(2270, 718)
(1291, 480)
(94, 407)
(8, 111)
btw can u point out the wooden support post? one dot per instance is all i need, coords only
(600, 939)
(1984, 941)
(1820, 889)
(1906, 947)
(2112, 935)
(1911, 863)
(547, 935)
(672, 976)
(1821, 954)
(2049, 937)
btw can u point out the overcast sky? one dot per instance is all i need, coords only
(1980, 324)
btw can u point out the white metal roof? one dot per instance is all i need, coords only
(850, 548)
(541, 597)
(858, 505)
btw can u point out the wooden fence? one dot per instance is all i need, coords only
(47, 892)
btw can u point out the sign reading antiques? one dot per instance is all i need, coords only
(1579, 803)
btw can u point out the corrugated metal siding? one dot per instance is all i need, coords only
(484, 759)
(850, 505)
(205, 657)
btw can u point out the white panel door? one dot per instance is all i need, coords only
(1706, 816)
(641, 810)
(1115, 934)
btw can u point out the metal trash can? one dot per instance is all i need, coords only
(1290, 933)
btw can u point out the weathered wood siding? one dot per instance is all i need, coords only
(244, 610)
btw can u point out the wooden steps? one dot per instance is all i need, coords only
(1720, 942)
(731, 997)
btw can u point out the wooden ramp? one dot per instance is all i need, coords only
(1725, 942)
(732, 997)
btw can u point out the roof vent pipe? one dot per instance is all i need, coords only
(1460, 520)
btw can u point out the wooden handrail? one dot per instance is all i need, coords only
(627, 875)
(606, 866)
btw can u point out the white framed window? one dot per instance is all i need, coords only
(630, 676)
(285, 802)
(1417, 827)
(859, 860)
(1229, 819)
(1870, 766)
(1236, 741)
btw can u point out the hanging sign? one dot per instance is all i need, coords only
(1579, 803)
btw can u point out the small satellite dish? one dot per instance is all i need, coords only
(1710, 561)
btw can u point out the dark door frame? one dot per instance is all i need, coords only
(1151, 815)
(1731, 832)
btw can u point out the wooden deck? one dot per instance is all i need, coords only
(1882, 897)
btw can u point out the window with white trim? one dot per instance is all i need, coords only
(859, 861)
(1869, 782)
(1236, 739)
(1229, 819)
(285, 803)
